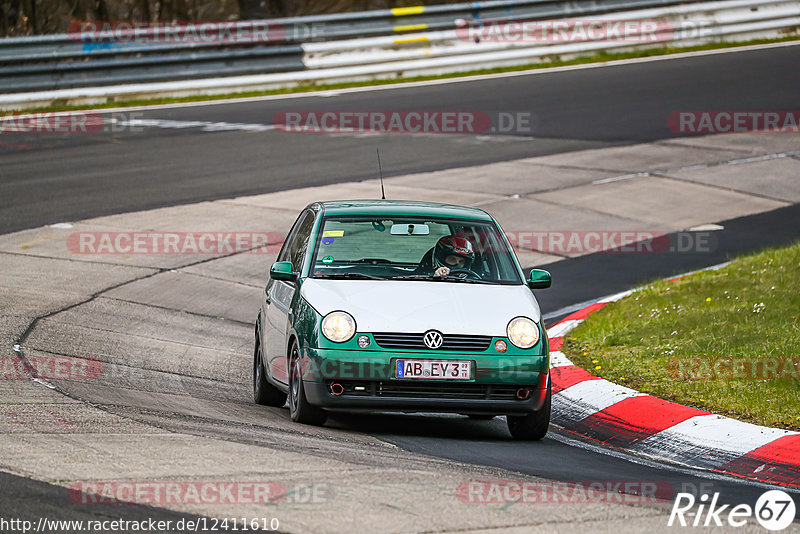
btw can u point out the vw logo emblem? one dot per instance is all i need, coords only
(433, 339)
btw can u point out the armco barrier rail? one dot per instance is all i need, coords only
(683, 25)
(91, 67)
(112, 54)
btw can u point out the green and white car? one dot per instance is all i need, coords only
(377, 305)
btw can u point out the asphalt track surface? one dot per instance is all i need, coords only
(51, 178)
(561, 456)
(46, 180)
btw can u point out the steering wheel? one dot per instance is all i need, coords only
(463, 272)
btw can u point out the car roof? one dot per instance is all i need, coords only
(400, 207)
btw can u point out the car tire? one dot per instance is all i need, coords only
(299, 408)
(264, 393)
(533, 426)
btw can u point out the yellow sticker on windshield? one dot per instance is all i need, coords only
(333, 233)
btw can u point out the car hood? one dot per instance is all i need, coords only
(418, 306)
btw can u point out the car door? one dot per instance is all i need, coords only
(276, 310)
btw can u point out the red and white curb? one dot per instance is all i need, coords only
(628, 419)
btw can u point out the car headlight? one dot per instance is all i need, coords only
(523, 332)
(338, 326)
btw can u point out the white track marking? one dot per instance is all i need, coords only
(559, 359)
(591, 396)
(617, 296)
(708, 440)
(658, 463)
(204, 126)
(562, 328)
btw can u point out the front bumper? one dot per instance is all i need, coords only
(377, 398)
(368, 382)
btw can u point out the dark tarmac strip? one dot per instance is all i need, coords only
(597, 275)
(51, 178)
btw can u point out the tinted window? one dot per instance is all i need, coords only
(299, 244)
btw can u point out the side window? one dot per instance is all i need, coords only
(297, 250)
(290, 237)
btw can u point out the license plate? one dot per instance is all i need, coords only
(436, 369)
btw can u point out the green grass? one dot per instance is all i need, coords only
(662, 339)
(546, 63)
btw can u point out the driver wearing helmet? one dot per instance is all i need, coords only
(449, 253)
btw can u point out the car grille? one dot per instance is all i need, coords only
(427, 390)
(453, 342)
(445, 391)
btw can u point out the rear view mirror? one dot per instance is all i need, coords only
(410, 229)
(540, 279)
(282, 270)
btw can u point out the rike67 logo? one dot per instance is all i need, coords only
(774, 510)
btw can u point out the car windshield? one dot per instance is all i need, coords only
(413, 248)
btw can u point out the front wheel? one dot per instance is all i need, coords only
(533, 426)
(264, 393)
(299, 408)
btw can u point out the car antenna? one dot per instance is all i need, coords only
(380, 172)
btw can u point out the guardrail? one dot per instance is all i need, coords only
(335, 26)
(85, 68)
(682, 25)
(119, 54)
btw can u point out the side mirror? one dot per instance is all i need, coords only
(282, 270)
(539, 279)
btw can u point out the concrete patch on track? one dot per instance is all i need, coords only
(137, 337)
(520, 177)
(753, 144)
(641, 158)
(296, 199)
(572, 215)
(173, 334)
(662, 202)
(745, 178)
(189, 292)
(239, 268)
(34, 286)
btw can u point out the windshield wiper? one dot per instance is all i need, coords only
(418, 277)
(432, 278)
(349, 276)
(371, 260)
